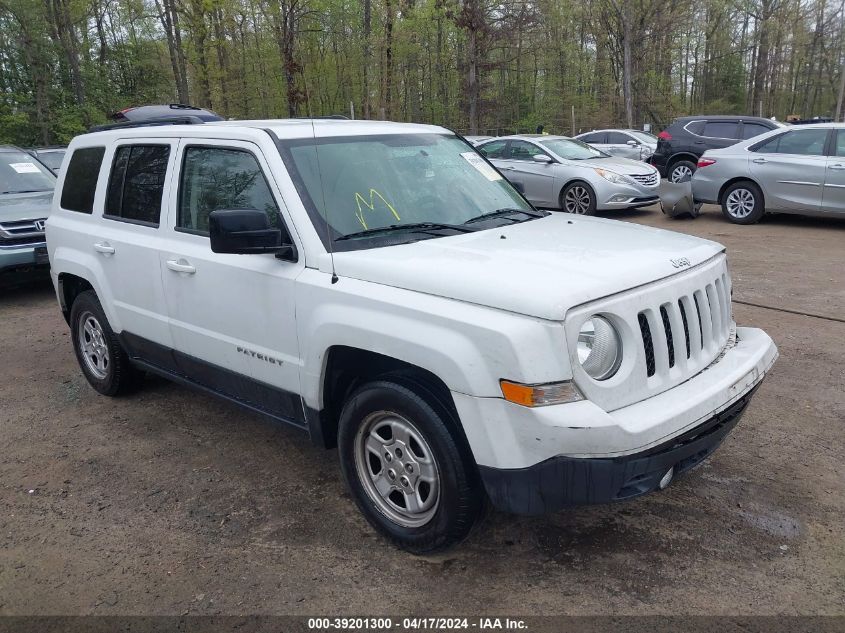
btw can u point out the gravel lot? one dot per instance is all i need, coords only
(171, 502)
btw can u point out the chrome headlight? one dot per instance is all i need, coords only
(613, 177)
(599, 348)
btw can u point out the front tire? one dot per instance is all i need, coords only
(579, 198)
(102, 359)
(407, 471)
(742, 203)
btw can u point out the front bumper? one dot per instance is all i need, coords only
(14, 259)
(619, 196)
(561, 481)
(516, 440)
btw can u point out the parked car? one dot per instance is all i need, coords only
(166, 114)
(681, 144)
(50, 156)
(477, 140)
(793, 170)
(26, 192)
(563, 173)
(633, 144)
(408, 306)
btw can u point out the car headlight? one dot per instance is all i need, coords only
(613, 177)
(599, 348)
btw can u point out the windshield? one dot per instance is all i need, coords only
(21, 173)
(571, 149)
(367, 183)
(645, 137)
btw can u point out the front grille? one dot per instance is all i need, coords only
(649, 180)
(701, 319)
(22, 232)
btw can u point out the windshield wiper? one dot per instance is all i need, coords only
(421, 227)
(507, 211)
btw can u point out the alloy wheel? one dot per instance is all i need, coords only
(577, 200)
(681, 173)
(397, 468)
(92, 343)
(740, 203)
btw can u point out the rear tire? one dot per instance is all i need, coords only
(578, 197)
(407, 470)
(743, 203)
(101, 357)
(682, 171)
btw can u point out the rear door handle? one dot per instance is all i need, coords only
(759, 161)
(836, 166)
(181, 266)
(104, 247)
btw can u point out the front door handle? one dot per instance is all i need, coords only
(104, 247)
(181, 266)
(837, 166)
(759, 161)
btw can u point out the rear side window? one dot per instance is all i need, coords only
(840, 142)
(83, 170)
(216, 178)
(598, 137)
(801, 142)
(494, 149)
(750, 130)
(617, 138)
(720, 129)
(136, 183)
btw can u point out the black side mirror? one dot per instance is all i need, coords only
(245, 231)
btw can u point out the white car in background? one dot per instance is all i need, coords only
(633, 144)
(559, 172)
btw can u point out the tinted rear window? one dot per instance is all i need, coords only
(136, 183)
(81, 179)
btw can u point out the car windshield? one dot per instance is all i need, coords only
(402, 187)
(645, 137)
(572, 149)
(21, 173)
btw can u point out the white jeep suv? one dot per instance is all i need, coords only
(381, 287)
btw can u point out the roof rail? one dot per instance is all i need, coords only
(163, 120)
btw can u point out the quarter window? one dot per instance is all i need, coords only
(81, 179)
(216, 178)
(800, 142)
(720, 129)
(136, 183)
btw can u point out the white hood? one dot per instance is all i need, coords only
(539, 268)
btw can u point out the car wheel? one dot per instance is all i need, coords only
(578, 197)
(405, 467)
(742, 203)
(682, 171)
(103, 360)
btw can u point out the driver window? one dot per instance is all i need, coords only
(221, 178)
(523, 150)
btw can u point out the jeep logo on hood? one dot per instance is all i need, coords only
(681, 262)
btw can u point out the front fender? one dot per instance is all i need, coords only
(469, 347)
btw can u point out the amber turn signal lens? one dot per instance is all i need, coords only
(540, 395)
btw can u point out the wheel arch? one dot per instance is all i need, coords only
(737, 179)
(679, 156)
(70, 286)
(346, 368)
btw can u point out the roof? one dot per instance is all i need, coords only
(718, 117)
(10, 148)
(283, 128)
(536, 137)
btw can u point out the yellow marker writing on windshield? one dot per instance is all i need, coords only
(371, 205)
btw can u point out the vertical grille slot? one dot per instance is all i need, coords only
(686, 325)
(667, 329)
(648, 344)
(699, 319)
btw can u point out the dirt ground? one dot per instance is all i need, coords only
(172, 502)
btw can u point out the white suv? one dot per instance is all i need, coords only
(381, 287)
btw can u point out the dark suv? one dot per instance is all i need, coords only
(681, 144)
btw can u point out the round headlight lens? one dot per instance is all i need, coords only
(599, 348)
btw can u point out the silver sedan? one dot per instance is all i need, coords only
(632, 144)
(563, 173)
(799, 169)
